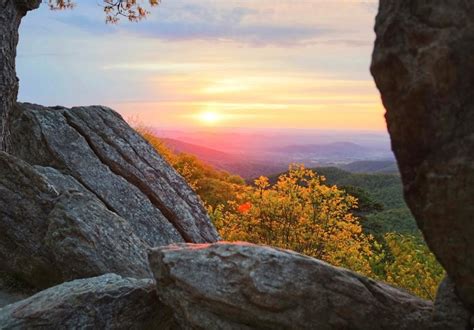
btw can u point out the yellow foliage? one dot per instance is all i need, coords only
(298, 213)
(413, 266)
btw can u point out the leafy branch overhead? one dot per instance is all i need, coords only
(133, 10)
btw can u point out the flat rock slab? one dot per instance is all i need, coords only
(106, 302)
(244, 286)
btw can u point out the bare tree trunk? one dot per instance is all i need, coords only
(11, 13)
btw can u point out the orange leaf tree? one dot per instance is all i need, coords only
(300, 213)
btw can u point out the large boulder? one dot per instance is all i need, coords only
(96, 147)
(423, 65)
(106, 302)
(244, 286)
(50, 233)
(83, 194)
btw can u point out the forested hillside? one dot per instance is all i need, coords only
(372, 166)
(385, 189)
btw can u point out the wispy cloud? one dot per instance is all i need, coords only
(279, 63)
(214, 21)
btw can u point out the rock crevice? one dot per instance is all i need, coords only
(132, 179)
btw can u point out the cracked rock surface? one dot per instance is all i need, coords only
(82, 194)
(109, 159)
(52, 233)
(106, 302)
(244, 286)
(423, 66)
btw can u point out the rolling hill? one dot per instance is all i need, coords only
(204, 153)
(372, 166)
(344, 149)
(242, 165)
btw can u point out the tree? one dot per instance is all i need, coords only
(412, 265)
(11, 14)
(303, 214)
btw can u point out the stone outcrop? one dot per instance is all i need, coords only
(82, 194)
(449, 311)
(105, 302)
(423, 66)
(52, 233)
(11, 14)
(109, 159)
(244, 286)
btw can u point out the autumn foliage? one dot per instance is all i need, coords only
(299, 213)
(413, 266)
(302, 213)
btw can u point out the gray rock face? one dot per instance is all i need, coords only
(243, 286)
(49, 234)
(109, 159)
(449, 311)
(423, 66)
(11, 14)
(105, 302)
(81, 195)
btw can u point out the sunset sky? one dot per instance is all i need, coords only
(226, 63)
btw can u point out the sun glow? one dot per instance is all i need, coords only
(209, 117)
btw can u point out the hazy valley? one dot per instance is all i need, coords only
(254, 153)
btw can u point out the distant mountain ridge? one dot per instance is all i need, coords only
(346, 147)
(372, 166)
(251, 163)
(232, 163)
(199, 151)
(335, 152)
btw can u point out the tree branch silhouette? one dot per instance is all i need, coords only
(132, 10)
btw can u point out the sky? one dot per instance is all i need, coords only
(210, 63)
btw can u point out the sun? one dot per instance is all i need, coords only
(209, 117)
